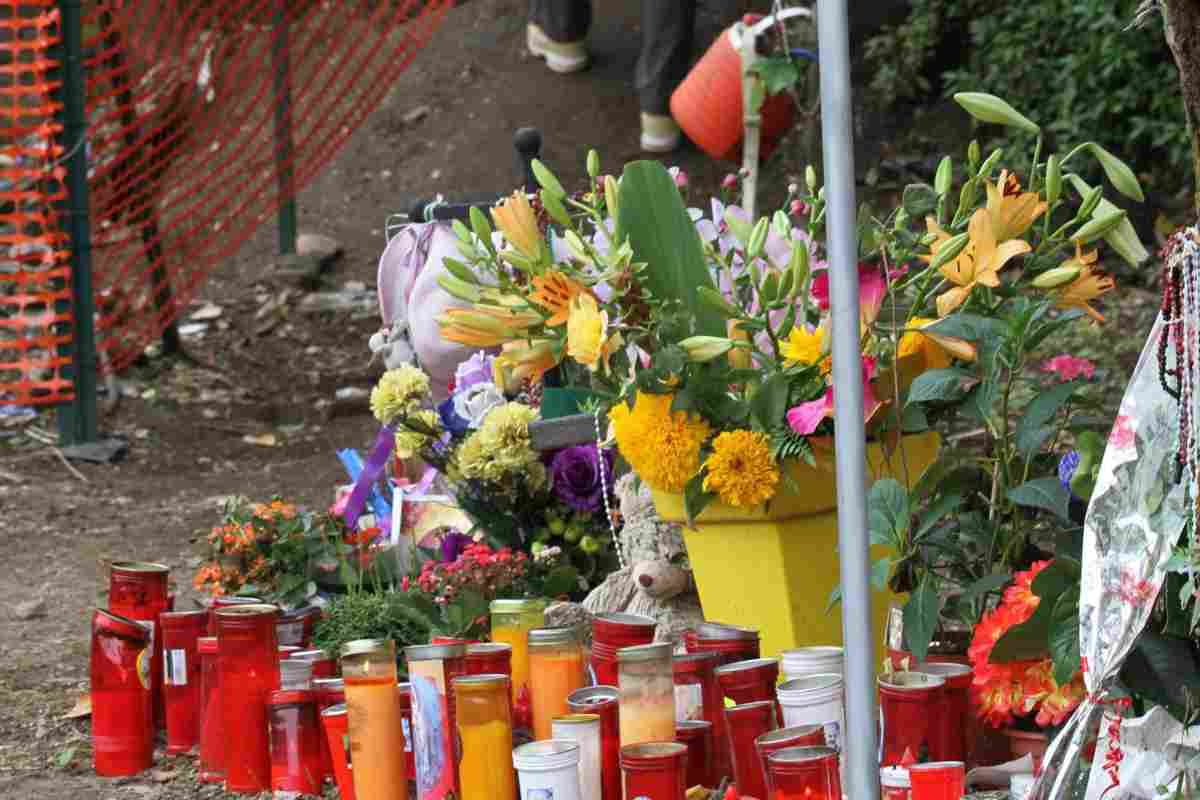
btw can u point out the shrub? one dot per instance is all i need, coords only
(370, 615)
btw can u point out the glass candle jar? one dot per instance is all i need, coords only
(295, 674)
(484, 717)
(328, 692)
(584, 730)
(804, 773)
(729, 642)
(894, 784)
(696, 735)
(749, 681)
(249, 673)
(225, 602)
(656, 770)
(138, 590)
(556, 669)
(548, 770)
(743, 725)
(406, 719)
(295, 628)
(603, 702)
(122, 710)
(950, 740)
(783, 738)
(911, 712)
(334, 721)
(432, 669)
(938, 780)
(181, 677)
(647, 682)
(373, 707)
(695, 682)
(295, 742)
(814, 700)
(611, 632)
(512, 620)
(212, 739)
(324, 665)
(489, 659)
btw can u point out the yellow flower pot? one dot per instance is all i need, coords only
(774, 570)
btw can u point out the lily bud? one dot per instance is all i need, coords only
(1054, 278)
(1098, 227)
(593, 163)
(1123, 238)
(1053, 179)
(459, 288)
(973, 155)
(990, 164)
(610, 195)
(966, 197)
(945, 174)
(702, 349)
(989, 108)
(1119, 173)
(554, 207)
(460, 271)
(758, 239)
(949, 250)
(1091, 200)
(810, 178)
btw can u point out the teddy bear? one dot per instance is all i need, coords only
(656, 581)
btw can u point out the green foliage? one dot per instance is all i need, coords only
(1075, 64)
(369, 615)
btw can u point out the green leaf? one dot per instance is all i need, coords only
(1032, 427)
(1164, 670)
(1045, 493)
(652, 217)
(1064, 637)
(941, 508)
(770, 403)
(921, 618)
(938, 384)
(778, 73)
(888, 513)
(695, 498)
(913, 419)
(984, 586)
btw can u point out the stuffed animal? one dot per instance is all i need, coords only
(656, 581)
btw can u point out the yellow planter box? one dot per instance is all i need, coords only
(774, 569)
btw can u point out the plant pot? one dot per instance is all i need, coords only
(1022, 743)
(789, 549)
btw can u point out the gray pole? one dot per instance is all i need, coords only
(837, 139)
(281, 69)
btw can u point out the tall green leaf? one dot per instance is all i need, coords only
(1064, 637)
(921, 617)
(651, 215)
(888, 513)
(1032, 429)
(1046, 493)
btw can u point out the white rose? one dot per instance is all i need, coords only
(474, 403)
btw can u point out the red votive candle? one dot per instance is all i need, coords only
(750, 681)
(225, 602)
(743, 725)
(784, 738)
(696, 735)
(249, 673)
(295, 742)
(181, 679)
(295, 627)
(324, 664)
(611, 632)
(489, 658)
(938, 780)
(731, 643)
(212, 741)
(950, 741)
(328, 692)
(656, 770)
(122, 710)
(335, 723)
(695, 672)
(138, 590)
(602, 701)
(912, 710)
(804, 773)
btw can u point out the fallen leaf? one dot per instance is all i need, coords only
(262, 439)
(209, 311)
(82, 708)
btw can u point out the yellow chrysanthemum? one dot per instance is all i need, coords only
(741, 470)
(803, 346)
(400, 391)
(662, 446)
(409, 442)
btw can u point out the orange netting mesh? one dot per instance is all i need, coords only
(183, 150)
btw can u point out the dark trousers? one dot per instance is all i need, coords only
(667, 32)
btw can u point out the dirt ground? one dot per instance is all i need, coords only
(189, 428)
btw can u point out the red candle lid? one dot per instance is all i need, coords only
(749, 664)
(286, 697)
(117, 625)
(207, 645)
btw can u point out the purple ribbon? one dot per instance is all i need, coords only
(380, 453)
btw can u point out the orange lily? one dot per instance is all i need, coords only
(554, 292)
(517, 221)
(1087, 287)
(1011, 211)
(523, 361)
(979, 263)
(485, 326)
(934, 349)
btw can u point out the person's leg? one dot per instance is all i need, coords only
(667, 33)
(556, 32)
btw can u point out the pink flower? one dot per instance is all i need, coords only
(804, 418)
(871, 289)
(680, 177)
(730, 181)
(1121, 436)
(1068, 368)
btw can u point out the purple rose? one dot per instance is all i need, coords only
(454, 544)
(476, 369)
(577, 477)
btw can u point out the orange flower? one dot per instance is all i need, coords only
(554, 292)
(979, 264)
(1061, 702)
(996, 702)
(1087, 287)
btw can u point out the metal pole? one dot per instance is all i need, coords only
(862, 760)
(77, 423)
(280, 61)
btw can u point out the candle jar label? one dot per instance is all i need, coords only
(175, 667)
(689, 702)
(433, 740)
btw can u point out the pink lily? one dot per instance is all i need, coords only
(871, 290)
(804, 418)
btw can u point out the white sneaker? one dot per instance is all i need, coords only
(660, 133)
(561, 57)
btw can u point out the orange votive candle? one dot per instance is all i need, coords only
(555, 671)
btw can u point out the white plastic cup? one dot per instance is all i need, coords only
(584, 730)
(1021, 786)
(820, 660)
(895, 783)
(815, 700)
(548, 770)
(294, 674)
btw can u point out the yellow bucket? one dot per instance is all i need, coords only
(774, 570)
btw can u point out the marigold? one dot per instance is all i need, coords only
(741, 470)
(400, 391)
(662, 446)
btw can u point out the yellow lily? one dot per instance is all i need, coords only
(803, 346)
(1011, 211)
(554, 292)
(978, 264)
(522, 361)
(934, 349)
(516, 219)
(587, 328)
(1090, 284)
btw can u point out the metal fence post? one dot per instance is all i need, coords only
(862, 762)
(281, 68)
(77, 422)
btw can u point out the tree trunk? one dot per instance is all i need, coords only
(1183, 36)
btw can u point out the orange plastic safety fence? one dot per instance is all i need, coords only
(35, 291)
(183, 114)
